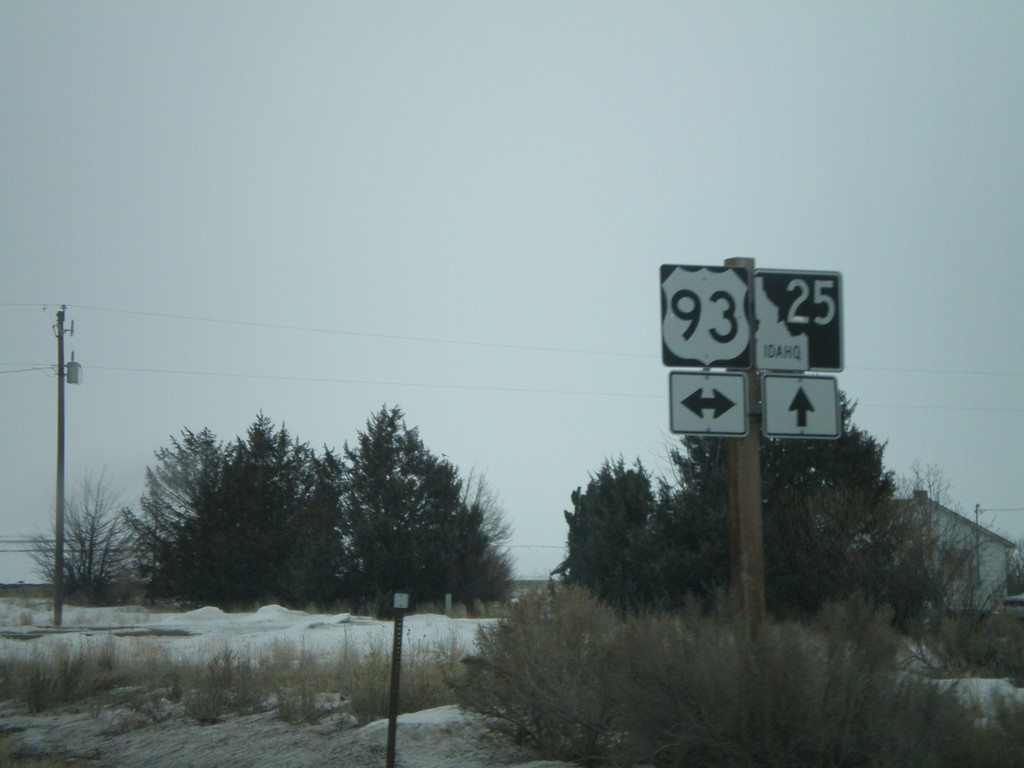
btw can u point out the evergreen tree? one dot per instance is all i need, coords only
(233, 524)
(181, 489)
(317, 554)
(405, 525)
(609, 541)
(831, 527)
(265, 517)
(640, 543)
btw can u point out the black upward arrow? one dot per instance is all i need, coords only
(697, 403)
(801, 405)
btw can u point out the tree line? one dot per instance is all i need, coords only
(267, 517)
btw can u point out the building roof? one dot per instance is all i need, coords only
(921, 497)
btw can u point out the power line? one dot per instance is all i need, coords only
(918, 406)
(945, 371)
(363, 334)
(466, 342)
(24, 370)
(371, 382)
(525, 347)
(483, 388)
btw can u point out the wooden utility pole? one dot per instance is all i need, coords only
(746, 537)
(58, 545)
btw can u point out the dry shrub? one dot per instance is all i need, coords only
(228, 685)
(541, 675)
(299, 704)
(990, 646)
(428, 672)
(138, 708)
(567, 678)
(38, 690)
(364, 679)
(64, 676)
(10, 757)
(678, 680)
(299, 680)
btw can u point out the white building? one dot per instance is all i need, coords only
(970, 560)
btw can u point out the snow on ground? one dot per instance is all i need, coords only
(206, 631)
(106, 738)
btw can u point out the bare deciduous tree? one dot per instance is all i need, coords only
(97, 545)
(496, 568)
(956, 549)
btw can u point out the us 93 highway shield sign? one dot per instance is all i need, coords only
(705, 316)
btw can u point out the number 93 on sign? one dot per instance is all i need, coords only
(705, 315)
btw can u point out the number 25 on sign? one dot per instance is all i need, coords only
(705, 316)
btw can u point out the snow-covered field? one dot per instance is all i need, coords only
(436, 738)
(97, 735)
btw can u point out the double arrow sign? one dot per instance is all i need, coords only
(708, 403)
(716, 404)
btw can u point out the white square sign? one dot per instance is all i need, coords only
(708, 403)
(800, 406)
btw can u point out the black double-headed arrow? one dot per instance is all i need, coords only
(696, 402)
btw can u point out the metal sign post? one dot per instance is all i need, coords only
(401, 604)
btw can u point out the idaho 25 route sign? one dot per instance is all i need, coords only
(705, 316)
(799, 320)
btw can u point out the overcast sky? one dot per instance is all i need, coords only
(313, 209)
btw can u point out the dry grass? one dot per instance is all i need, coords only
(304, 688)
(147, 686)
(11, 758)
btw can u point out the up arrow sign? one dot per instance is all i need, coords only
(718, 402)
(723, 412)
(801, 405)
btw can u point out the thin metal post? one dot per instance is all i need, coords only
(401, 602)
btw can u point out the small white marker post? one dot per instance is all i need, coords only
(400, 605)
